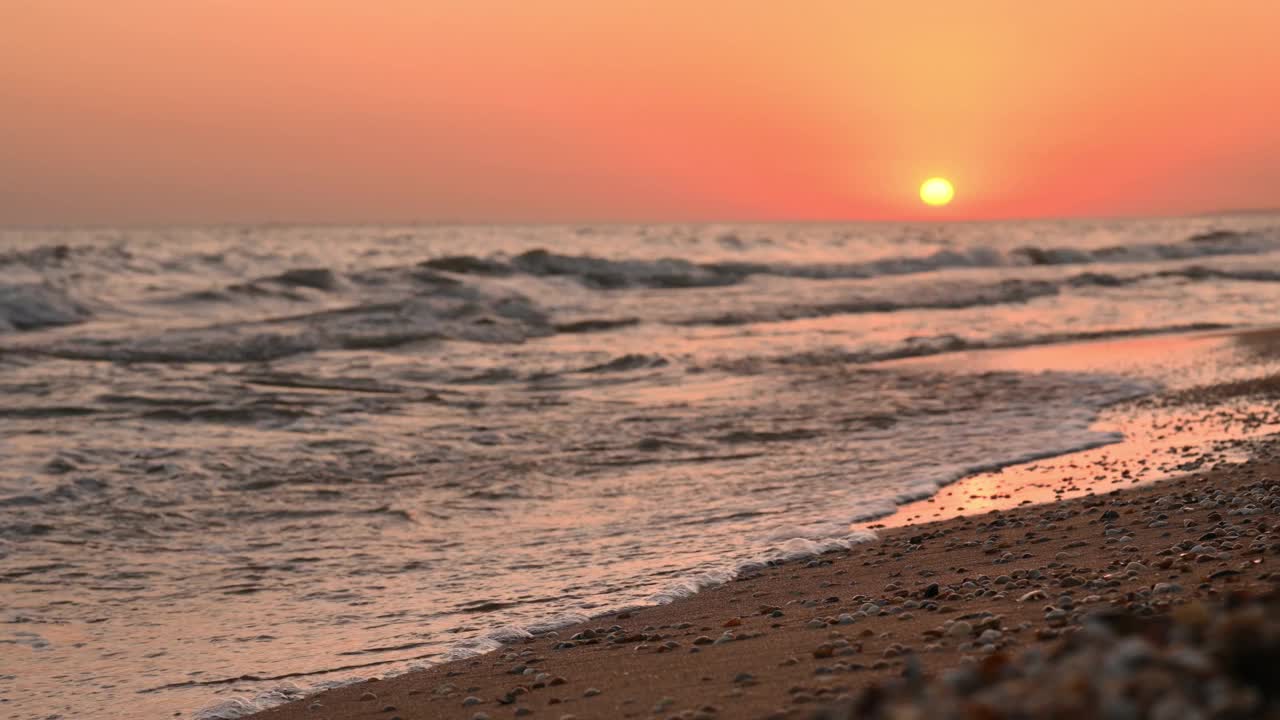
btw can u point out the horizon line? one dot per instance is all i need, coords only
(624, 223)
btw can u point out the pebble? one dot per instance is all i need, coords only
(1123, 668)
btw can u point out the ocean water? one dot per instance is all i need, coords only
(238, 463)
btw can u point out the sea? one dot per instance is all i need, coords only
(239, 464)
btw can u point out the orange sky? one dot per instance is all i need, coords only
(152, 111)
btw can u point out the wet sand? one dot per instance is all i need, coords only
(932, 596)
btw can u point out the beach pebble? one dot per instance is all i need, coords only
(959, 628)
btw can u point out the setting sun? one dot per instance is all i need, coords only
(937, 191)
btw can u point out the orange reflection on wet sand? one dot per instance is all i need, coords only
(1160, 440)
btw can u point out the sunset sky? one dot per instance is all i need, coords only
(151, 111)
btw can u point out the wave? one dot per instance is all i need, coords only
(935, 297)
(1197, 272)
(33, 307)
(939, 295)
(922, 346)
(628, 362)
(450, 312)
(605, 274)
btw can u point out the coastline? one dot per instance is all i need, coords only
(805, 633)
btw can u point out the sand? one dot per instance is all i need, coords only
(928, 597)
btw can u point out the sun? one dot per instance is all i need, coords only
(937, 191)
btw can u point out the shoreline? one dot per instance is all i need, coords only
(792, 636)
(780, 642)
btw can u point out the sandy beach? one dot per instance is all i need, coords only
(922, 601)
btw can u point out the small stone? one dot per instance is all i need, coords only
(367, 696)
(471, 700)
(590, 692)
